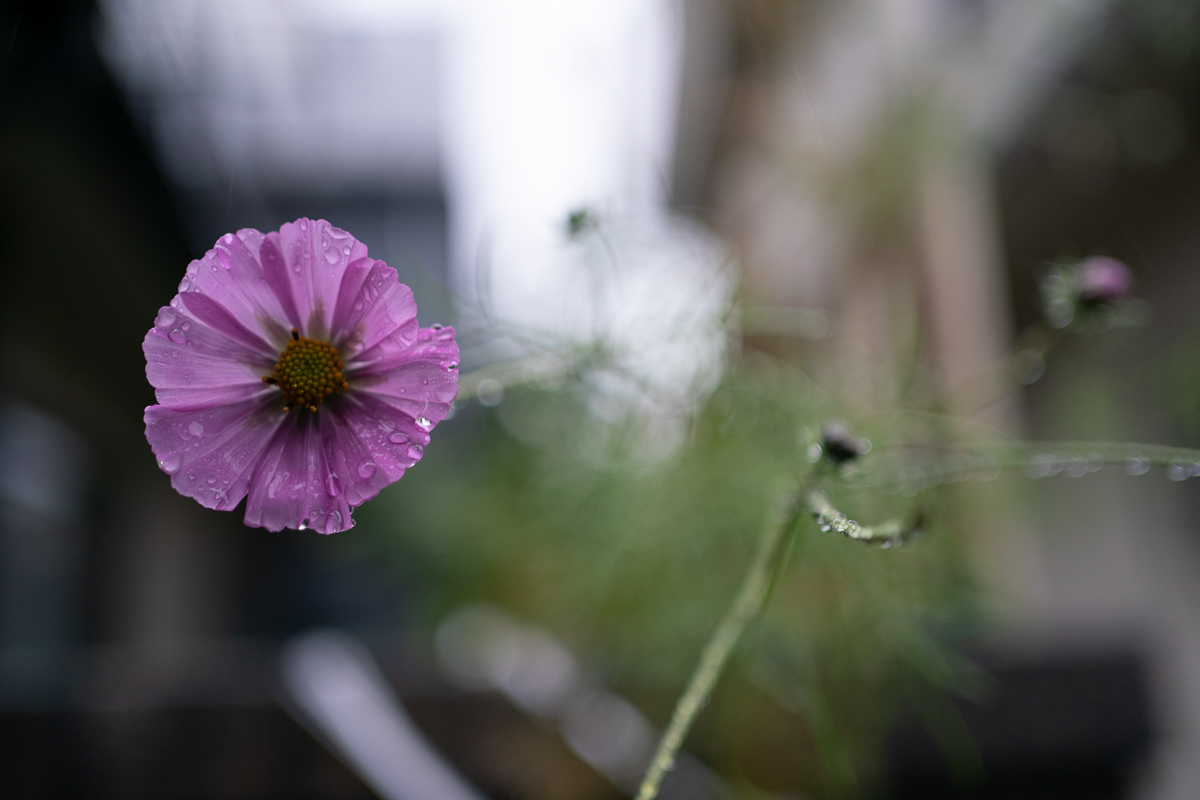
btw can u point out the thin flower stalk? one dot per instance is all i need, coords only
(747, 604)
(893, 469)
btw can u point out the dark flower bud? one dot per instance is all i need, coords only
(840, 444)
(1103, 280)
(579, 220)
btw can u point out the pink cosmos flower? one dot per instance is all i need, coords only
(290, 368)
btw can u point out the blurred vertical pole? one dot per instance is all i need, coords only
(43, 480)
(705, 72)
(968, 311)
(967, 303)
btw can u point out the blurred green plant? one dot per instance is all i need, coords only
(635, 562)
(648, 566)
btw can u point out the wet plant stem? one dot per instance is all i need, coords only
(756, 586)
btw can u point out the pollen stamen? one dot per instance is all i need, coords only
(308, 371)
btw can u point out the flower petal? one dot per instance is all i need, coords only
(275, 271)
(292, 485)
(192, 366)
(374, 310)
(422, 380)
(231, 275)
(210, 453)
(314, 259)
(213, 314)
(369, 444)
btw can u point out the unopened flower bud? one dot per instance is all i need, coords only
(1103, 280)
(840, 444)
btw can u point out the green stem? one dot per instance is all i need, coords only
(749, 601)
(829, 518)
(888, 472)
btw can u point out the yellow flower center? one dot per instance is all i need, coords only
(307, 372)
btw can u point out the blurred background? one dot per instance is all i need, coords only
(675, 238)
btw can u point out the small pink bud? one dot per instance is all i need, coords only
(1103, 279)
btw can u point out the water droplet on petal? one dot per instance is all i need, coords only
(424, 422)
(452, 365)
(333, 485)
(366, 470)
(212, 479)
(165, 319)
(195, 429)
(398, 438)
(191, 476)
(303, 227)
(177, 336)
(1137, 466)
(224, 258)
(170, 464)
(358, 306)
(303, 525)
(1177, 472)
(333, 256)
(185, 285)
(335, 520)
(346, 250)
(437, 326)
(415, 451)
